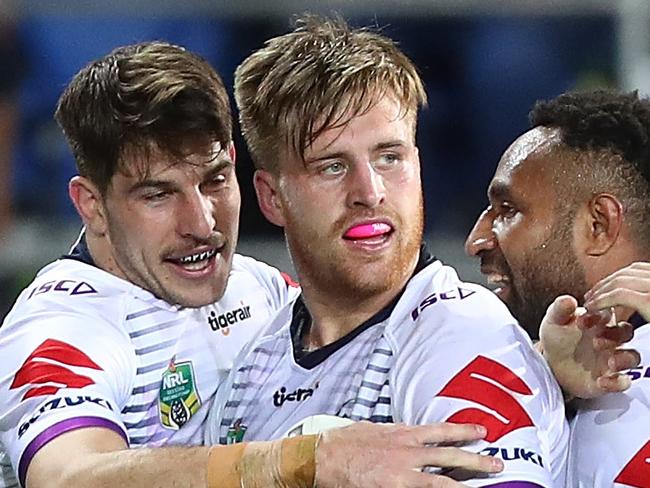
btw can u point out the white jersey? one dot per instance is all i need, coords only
(84, 348)
(610, 436)
(444, 350)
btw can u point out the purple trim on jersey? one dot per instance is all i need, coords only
(515, 484)
(55, 431)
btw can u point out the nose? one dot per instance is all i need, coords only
(196, 217)
(366, 186)
(481, 237)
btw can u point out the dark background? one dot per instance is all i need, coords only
(484, 66)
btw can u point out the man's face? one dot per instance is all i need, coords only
(524, 238)
(174, 231)
(352, 210)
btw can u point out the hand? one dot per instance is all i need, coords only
(366, 455)
(583, 351)
(628, 287)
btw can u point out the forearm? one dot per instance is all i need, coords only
(131, 468)
(287, 463)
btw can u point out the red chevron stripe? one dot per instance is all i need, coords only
(63, 353)
(470, 384)
(34, 371)
(637, 472)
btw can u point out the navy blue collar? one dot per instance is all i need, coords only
(80, 252)
(301, 322)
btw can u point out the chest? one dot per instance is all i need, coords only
(180, 361)
(272, 392)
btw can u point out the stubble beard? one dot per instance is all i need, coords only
(139, 272)
(331, 271)
(547, 272)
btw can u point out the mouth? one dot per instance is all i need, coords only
(369, 233)
(197, 262)
(499, 283)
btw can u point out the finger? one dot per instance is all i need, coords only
(447, 432)
(614, 383)
(617, 335)
(624, 359)
(631, 280)
(454, 457)
(562, 310)
(618, 297)
(595, 318)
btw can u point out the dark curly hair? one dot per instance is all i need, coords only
(610, 132)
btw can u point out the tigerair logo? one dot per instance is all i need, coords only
(489, 384)
(223, 322)
(47, 369)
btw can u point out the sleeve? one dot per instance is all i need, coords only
(473, 364)
(60, 371)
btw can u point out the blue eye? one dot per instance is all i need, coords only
(334, 168)
(390, 158)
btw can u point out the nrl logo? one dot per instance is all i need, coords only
(178, 399)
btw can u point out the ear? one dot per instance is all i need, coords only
(232, 152)
(605, 221)
(89, 203)
(266, 188)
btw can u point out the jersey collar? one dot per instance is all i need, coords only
(301, 322)
(80, 252)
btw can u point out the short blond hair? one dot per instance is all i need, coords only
(316, 78)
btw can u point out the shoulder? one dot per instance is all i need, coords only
(68, 289)
(615, 418)
(70, 307)
(248, 274)
(466, 328)
(437, 303)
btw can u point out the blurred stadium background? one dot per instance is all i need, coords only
(484, 62)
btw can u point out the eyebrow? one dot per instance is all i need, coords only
(162, 184)
(341, 154)
(499, 190)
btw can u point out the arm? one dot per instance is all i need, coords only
(355, 456)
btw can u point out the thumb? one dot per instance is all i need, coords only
(561, 311)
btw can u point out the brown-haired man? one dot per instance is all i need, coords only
(382, 330)
(124, 342)
(569, 214)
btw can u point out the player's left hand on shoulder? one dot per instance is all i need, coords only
(583, 349)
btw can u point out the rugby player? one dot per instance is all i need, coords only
(382, 330)
(124, 341)
(569, 213)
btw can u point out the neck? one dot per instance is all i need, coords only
(336, 313)
(100, 250)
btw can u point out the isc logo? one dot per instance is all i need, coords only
(70, 287)
(171, 380)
